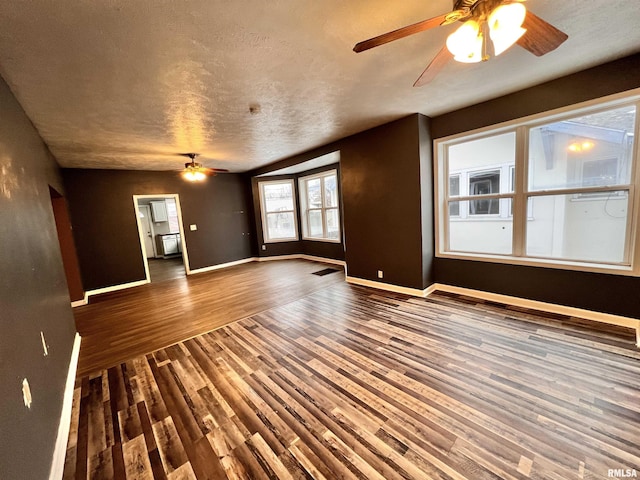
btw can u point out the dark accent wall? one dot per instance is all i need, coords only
(381, 192)
(614, 294)
(332, 250)
(106, 232)
(387, 204)
(33, 296)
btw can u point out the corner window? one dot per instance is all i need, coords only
(277, 204)
(319, 207)
(574, 170)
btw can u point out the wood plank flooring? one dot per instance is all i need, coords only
(165, 269)
(349, 382)
(120, 325)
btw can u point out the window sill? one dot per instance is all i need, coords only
(325, 240)
(619, 269)
(281, 240)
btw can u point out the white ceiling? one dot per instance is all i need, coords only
(128, 84)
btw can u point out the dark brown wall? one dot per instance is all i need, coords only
(604, 293)
(426, 200)
(333, 250)
(381, 177)
(33, 298)
(106, 232)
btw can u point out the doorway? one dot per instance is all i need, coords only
(161, 237)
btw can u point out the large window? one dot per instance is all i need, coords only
(319, 207)
(557, 190)
(277, 202)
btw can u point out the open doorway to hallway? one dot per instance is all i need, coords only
(161, 236)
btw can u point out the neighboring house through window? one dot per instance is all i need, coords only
(554, 191)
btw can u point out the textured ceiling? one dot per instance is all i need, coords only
(128, 84)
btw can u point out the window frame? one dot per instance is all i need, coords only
(522, 207)
(305, 210)
(266, 238)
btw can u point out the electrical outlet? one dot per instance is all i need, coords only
(380, 274)
(264, 247)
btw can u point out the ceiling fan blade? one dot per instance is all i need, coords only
(541, 37)
(400, 33)
(219, 170)
(436, 65)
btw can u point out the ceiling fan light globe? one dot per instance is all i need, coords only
(465, 43)
(504, 39)
(188, 175)
(505, 25)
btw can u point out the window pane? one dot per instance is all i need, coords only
(278, 197)
(281, 225)
(331, 191)
(577, 227)
(484, 183)
(586, 151)
(454, 190)
(315, 223)
(485, 235)
(314, 193)
(491, 153)
(333, 224)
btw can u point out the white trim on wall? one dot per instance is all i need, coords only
(222, 265)
(79, 303)
(60, 450)
(302, 256)
(415, 292)
(115, 288)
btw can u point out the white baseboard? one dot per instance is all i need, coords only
(389, 287)
(222, 265)
(332, 261)
(278, 257)
(115, 288)
(544, 306)
(60, 450)
(303, 256)
(79, 303)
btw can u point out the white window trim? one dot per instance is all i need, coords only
(520, 127)
(263, 211)
(304, 211)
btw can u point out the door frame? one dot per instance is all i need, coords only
(141, 233)
(146, 209)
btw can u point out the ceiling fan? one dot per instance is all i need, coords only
(195, 172)
(490, 27)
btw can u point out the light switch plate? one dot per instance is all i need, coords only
(193, 227)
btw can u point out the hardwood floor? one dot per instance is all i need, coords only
(165, 269)
(120, 325)
(349, 382)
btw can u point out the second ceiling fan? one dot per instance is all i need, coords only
(490, 27)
